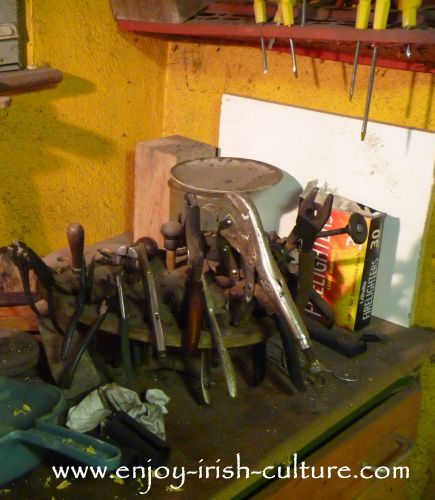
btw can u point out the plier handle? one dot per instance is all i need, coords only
(27, 260)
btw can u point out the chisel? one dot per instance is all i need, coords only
(361, 23)
(260, 18)
(382, 8)
(288, 20)
(409, 17)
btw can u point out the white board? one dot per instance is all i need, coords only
(391, 171)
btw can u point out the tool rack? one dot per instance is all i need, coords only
(328, 34)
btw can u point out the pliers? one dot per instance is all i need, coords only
(86, 284)
(310, 220)
(28, 260)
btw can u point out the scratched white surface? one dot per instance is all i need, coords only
(392, 171)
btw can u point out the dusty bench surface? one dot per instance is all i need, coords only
(265, 424)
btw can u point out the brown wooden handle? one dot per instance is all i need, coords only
(76, 241)
(194, 304)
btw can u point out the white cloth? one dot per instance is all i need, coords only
(97, 406)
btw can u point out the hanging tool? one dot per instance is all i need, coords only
(288, 20)
(361, 23)
(382, 8)
(217, 336)
(409, 17)
(260, 18)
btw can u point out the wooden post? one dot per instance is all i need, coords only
(154, 160)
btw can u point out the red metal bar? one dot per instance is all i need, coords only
(321, 32)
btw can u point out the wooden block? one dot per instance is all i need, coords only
(154, 160)
(161, 11)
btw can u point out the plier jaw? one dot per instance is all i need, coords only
(310, 220)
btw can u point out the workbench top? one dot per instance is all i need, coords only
(265, 424)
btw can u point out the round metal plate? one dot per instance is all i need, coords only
(225, 175)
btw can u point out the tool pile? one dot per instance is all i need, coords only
(220, 283)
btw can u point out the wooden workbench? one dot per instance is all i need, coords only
(265, 424)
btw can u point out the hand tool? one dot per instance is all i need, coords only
(149, 287)
(216, 333)
(291, 354)
(172, 232)
(288, 20)
(205, 377)
(242, 311)
(136, 258)
(85, 290)
(260, 18)
(192, 304)
(382, 8)
(76, 241)
(150, 245)
(28, 260)
(310, 220)
(409, 17)
(246, 234)
(361, 23)
(356, 228)
(75, 356)
(227, 259)
(124, 330)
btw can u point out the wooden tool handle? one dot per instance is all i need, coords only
(76, 241)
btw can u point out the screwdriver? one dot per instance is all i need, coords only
(409, 17)
(260, 18)
(382, 8)
(288, 20)
(361, 23)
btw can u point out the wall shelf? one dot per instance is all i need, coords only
(327, 34)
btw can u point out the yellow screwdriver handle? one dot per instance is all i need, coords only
(287, 12)
(260, 11)
(382, 8)
(363, 14)
(409, 12)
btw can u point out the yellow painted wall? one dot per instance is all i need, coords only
(67, 154)
(197, 77)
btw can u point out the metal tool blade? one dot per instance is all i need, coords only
(369, 93)
(354, 69)
(215, 330)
